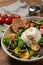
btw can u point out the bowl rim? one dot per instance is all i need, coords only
(8, 53)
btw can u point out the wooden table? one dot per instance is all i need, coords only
(4, 58)
(30, 2)
(6, 2)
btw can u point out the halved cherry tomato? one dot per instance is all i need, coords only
(41, 26)
(31, 25)
(11, 16)
(8, 21)
(4, 15)
(17, 17)
(2, 20)
(41, 31)
(14, 37)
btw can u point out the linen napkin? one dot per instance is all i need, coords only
(17, 8)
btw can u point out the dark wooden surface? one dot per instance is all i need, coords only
(6, 2)
(4, 58)
(33, 2)
(30, 2)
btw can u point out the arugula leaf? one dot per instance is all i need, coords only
(38, 23)
(33, 53)
(41, 22)
(14, 44)
(20, 42)
(21, 51)
(41, 41)
(6, 41)
(20, 32)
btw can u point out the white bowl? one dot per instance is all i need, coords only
(8, 30)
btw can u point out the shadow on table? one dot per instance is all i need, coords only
(16, 62)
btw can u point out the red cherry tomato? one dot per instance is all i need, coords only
(41, 30)
(1, 20)
(18, 17)
(14, 37)
(41, 26)
(8, 21)
(31, 25)
(4, 15)
(11, 16)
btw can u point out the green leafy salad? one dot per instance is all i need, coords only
(23, 48)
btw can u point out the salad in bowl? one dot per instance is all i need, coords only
(23, 39)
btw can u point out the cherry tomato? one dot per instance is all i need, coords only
(41, 26)
(14, 37)
(1, 20)
(8, 21)
(41, 31)
(4, 15)
(31, 25)
(18, 17)
(11, 16)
